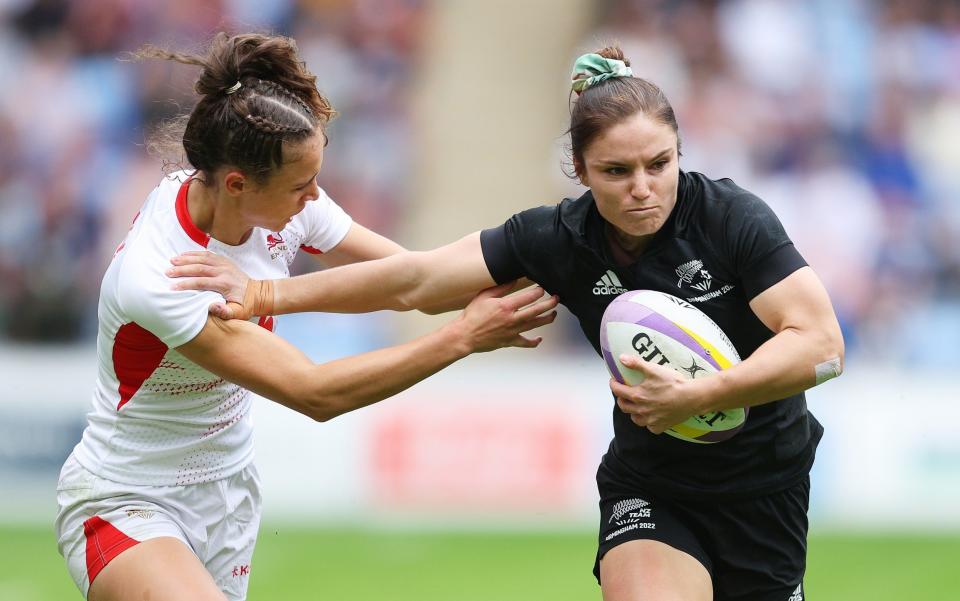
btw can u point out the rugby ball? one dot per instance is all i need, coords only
(667, 330)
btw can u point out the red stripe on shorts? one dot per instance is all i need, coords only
(104, 543)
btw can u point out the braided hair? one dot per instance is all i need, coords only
(246, 125)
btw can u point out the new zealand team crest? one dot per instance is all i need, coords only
(693, 273)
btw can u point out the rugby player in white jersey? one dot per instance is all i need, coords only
(160, 499)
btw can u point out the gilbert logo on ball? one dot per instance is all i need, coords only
(667, 330)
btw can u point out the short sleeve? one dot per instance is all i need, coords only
(761, 252)
(499, 256)
(173, 316)
(529, 244)
(324, 224)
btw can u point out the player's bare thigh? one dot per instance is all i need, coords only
(158, 569)
(648, 570)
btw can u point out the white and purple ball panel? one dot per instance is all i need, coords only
(657, 315)
(691, 318)
(624, 319)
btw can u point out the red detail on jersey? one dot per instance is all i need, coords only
(273, 240)
(104, 543)
(171, 365)
(266, 322)
(181, 389)
(228, 409)
(183, 216)
(311, 250)
(136, 354)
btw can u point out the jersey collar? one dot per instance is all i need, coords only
(183, 216)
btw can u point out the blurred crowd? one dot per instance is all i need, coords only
(74, 118)
(842, 114)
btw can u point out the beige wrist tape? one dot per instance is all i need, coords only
(258, 298)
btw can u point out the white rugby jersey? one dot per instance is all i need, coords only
(159, 419)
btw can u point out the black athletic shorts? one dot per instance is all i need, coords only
(754, 549)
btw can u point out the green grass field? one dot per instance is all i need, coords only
(400, 566)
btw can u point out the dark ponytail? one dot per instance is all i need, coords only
(246, 125)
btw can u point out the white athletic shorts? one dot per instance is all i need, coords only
(98, 519)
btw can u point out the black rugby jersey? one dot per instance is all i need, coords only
(720, 247)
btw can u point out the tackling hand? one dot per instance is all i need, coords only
(493, 320)
(204, 270)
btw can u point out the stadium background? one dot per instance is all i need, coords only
(844, 115)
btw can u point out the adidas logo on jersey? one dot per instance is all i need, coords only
(608, 284)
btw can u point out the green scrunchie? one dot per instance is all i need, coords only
(590, 69)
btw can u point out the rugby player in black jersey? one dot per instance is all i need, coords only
(679, 520)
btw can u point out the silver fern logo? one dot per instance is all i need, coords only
(686, 271)
(694, 269)
(626, 506)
